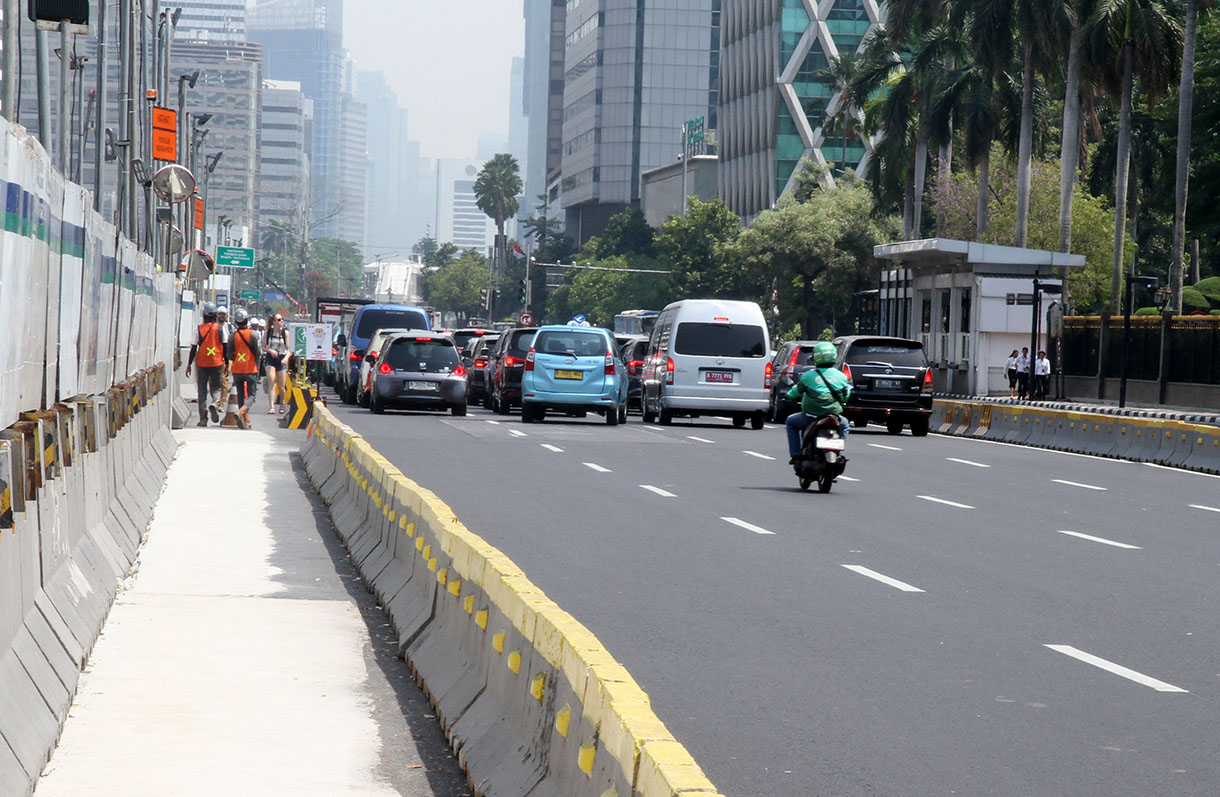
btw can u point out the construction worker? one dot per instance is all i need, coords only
(226, 338)
(210, 364)
(244, 353)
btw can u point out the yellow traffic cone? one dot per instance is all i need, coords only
(232, 420)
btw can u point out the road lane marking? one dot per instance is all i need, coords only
(1078, 484)
(873, 574)
(936, 500)
(516, 433)
(887, 448)
(1102, 540)
(596, 467)
(550, 447)
(658, 491)
(747, 526)
(494, 423)
(1117, 669)
(699, 439)
(760, 456)
(1204, 508)
(848, 479)
(967, 462)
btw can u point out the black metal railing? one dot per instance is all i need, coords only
(1193, 351)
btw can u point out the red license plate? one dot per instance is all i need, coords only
(718, 376)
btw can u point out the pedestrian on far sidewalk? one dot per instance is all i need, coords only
(1023, 380)
(1010, 368)
(245, 357)
(1042, 375)
(209, 364)
(276, 360)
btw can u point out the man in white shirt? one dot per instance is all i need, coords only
(1042, 375)
(1023, 379)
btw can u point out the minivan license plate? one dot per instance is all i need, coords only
(569, 375)
(421, 386)
(719, 376)
(887, 384)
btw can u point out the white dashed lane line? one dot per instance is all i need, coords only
(550, 447)
(847, 479)
(967, 462)
(596, 467)
(1102, 540)
(699, 439)
(758, 455)
(873, 574)
(658, 491)
(1081, 486)
(1117, 669)
(1205, 508)
(936, 500)
(517, 433)
(747, 526)
(494, 423)
(887, 448)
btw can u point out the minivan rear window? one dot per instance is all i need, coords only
(410, 354)
(373, 320)
(581, 344)
(890, 353)
(519, 341)
(720, 340)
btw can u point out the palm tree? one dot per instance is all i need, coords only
(1185, 110)
(278, 237)
(495, 189)
(846, 76)
(1136, 35)
(969, 103)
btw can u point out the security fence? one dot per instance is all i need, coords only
(1192, 355)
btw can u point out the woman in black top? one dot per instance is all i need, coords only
(276, 355)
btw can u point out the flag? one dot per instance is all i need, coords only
(518, 252)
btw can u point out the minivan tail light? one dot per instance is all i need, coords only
(767, 376)
(669, 370)
(480, 363)
(927, 381)
(356, 355)
(633, 367)
(510, 362)
(847, 372)
(609, 365)
(384, 368)
(795, 353)
(529, 359)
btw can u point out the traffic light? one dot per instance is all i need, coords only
(483, 297)
(522, 291)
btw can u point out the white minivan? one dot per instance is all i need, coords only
(708, 357)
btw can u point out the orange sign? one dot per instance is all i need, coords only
(198, 213)
(164, 119)
(164, 145)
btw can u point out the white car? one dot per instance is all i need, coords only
(364, 382)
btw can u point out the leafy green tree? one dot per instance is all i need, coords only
(600, 295)
(442, 255)
(692, 249)
(424, 246)
(626, 233)
(457, 286)
(845, 74)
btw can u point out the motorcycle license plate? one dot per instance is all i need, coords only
(422, 386)
(569, 375)
(887, 384)
(719, 376)
(831, 444)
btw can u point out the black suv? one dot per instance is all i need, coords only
(792, 360)
(891, 382)
(633, 351)
(506, 366)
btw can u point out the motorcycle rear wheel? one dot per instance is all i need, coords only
(824, 482)
(805, 483)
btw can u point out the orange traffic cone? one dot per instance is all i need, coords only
(232, 419)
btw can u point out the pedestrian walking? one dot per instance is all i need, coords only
(1010, 368)
(226, 338)
(1042, 375)
(276, 360)
(208, 359)
(245, 357)
(1023, 380)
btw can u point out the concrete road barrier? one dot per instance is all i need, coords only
(530, 700)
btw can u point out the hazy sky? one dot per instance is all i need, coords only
(448, 60)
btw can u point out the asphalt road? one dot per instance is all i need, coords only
(955, 617)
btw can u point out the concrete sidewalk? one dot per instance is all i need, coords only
(246, 657)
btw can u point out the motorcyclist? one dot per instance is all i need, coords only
(822, 390)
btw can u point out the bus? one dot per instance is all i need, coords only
(635, 322)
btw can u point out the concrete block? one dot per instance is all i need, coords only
(77, 653)
(13, 778)
(53, 650)
(54, 694)
(26, 723)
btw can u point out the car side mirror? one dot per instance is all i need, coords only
(341, 340)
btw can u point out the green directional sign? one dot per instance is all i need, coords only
(253, 296)
(234, 257)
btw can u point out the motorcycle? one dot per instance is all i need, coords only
(822, 458)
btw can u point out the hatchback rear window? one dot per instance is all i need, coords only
(519, 341)
(887, 354)
(373, 320)
(410, 354)
(804, 356)
(581, 344)
(720, 340)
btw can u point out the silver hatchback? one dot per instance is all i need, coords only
(418, 370)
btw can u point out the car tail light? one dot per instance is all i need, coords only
(633, 367)
(795, 353)
(384, 368)
(767, 376)
(480, 363)
(610, 365)
(847, 372)
(669, 370)
(927, 381)
(373, 355)
(510, 362)
(334, 352)
(459, 371)
(355, 355)
(529, 359)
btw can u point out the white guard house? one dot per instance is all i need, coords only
(970, 304)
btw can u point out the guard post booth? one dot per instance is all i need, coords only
(970, 304)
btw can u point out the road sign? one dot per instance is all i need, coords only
(165, 134)
(234, 257)
(526, 318)
(312, 342)
(253, 296)
(198, 213)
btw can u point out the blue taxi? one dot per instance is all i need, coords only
(574, 370)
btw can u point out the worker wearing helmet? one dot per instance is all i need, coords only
(822, 390)
(209, 364)
(244, 355)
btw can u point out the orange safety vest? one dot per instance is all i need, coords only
(243, 355)
(211, 353)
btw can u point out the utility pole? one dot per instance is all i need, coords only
(12, 43)
(65, 97)
(99, 132)
(44, 101)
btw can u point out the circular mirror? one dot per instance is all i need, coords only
(199, 265)
(175, 240)
(173, 183)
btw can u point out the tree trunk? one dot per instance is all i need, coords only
(1120, 176)
(908, 206)
(945, 163)
(982, 202)
(1025, 146)
(806, 303)
(921, 173)
(1182, 177)
(1069, 150)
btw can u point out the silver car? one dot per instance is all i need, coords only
(418, 370)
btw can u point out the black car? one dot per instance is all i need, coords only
(476, 371)
(633, 351)
(792, 360)
(891, 382)
(506, 367)
(418, 370)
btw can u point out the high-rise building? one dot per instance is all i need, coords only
(634, 73)
(458, 218)
(212, 20)
(542, 96)
(283, 163)
(772, 106)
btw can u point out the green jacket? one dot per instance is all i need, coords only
(815, 396)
